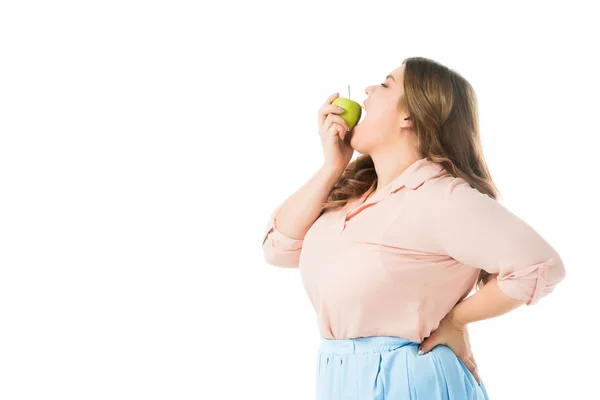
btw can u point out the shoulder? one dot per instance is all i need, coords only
(448, 195)
(441, 188)
(450, 188)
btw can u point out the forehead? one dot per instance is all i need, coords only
(398, 73)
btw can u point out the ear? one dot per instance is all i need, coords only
(407, 123)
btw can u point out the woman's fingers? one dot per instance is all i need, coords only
(332, 118)
(473, 368)
(326, 110)
(335, 129)
(330, 99)
(473, 360)
(341, 131)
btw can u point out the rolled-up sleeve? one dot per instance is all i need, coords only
(280, 250)
(478, 231)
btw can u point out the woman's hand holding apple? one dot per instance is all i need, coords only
(333, 130)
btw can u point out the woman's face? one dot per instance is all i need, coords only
(382, 121)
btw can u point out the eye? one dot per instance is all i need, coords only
(384, 85)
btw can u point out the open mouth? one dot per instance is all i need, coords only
(362, 117)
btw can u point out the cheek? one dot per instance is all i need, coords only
(381, 121)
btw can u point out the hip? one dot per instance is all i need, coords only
(388, 367)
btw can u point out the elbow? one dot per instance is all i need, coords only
(534, 282)
(553, 271)
(555, 274)
(561, 272)
(551, 274)
(280, 250)
(280, 258)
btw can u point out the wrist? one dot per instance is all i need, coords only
(333, 168)
(455, 321)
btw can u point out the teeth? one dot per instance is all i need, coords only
(362, 117)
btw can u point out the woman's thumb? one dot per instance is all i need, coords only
(426, 345)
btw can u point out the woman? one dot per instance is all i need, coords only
(390, 245)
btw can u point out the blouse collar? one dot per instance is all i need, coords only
(414, 176)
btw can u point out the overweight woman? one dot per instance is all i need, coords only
(390, 245)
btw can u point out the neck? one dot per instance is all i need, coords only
(391, 162)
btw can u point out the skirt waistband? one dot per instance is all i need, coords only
(363, 344)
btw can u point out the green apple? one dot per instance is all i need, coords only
(352, 110)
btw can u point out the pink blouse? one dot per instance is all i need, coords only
(396, 264)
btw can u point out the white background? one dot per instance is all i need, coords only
(144, 145)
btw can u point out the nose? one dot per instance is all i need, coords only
(369, 89)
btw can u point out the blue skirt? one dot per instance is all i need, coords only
(389, 368)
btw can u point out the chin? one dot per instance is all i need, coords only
(354, 142)
(362, 140)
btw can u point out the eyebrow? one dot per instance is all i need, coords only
(389, 76)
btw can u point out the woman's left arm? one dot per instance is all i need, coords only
(478, 231)
(490, 301)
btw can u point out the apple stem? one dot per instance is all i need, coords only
(348, 91)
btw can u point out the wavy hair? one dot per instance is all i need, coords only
(444, 112)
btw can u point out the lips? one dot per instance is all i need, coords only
(362, 117)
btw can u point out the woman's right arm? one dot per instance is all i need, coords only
(289, 222)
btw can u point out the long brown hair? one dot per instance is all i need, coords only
(444, 112)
